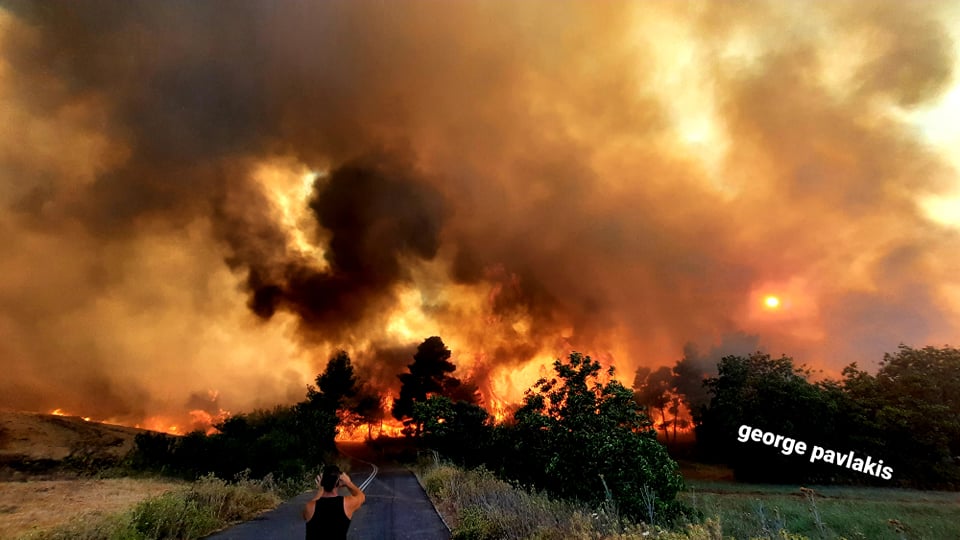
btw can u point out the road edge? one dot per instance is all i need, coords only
(429, 498)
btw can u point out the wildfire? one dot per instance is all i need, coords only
(498, 410)
(388, 427)
(206, 422)
(60, 412)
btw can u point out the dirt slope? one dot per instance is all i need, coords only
(36, 443)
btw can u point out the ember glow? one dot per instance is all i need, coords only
(199, 196)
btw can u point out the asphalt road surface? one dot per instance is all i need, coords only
(396, 508)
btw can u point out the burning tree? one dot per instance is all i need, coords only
(341, 392)
(426, 376)
(652, 390)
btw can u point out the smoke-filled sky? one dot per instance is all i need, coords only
(202, 200)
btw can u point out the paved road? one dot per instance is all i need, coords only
(396, 508)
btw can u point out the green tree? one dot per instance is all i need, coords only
(909, 413)
(578, 437)
(773, 395)
(459, 430)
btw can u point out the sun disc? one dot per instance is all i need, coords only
(771, 302)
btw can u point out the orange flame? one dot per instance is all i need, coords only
(388, 427)
(60, 412)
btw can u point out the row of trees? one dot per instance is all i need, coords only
(286, 441)
(573, 435)
(289, 440)
(907, 414)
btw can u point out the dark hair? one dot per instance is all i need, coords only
(331, 475)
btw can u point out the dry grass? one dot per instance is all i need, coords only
(478, 506)
(42, 504)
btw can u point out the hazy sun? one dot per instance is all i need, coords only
(772, 302)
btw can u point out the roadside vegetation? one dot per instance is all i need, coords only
(479, 506)
(207, 505)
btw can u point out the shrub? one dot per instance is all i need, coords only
(578, 438)
(479, 506)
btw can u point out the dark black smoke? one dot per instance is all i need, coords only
(379, 220)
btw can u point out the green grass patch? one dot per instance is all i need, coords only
(750, 510)
(207, 505)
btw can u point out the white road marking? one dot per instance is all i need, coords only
(370, 478)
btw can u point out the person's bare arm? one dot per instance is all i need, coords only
(310, 506)
(356, 497)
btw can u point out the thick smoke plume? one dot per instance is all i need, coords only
(215, 196)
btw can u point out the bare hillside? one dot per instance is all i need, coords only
(37, 443)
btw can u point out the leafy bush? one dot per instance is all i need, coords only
(459, 430)
(476, 525)
(578, 438)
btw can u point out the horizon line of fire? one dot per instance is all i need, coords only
(201, 420)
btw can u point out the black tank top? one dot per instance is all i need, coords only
(329, 522)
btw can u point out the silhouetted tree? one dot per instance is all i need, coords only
(909, 413)
(336, 384)
(689, 378)
(773, 395)
(429, 375)
(366, 407)
(652, 390)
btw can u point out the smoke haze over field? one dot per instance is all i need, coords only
(215, 196)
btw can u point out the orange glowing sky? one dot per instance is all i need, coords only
(522, 179)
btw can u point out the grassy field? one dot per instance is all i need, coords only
(746, 510)
(44, 504)
(65, 478)
(187, 512)
(479, 506)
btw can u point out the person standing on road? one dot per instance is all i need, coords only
(328, 514)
